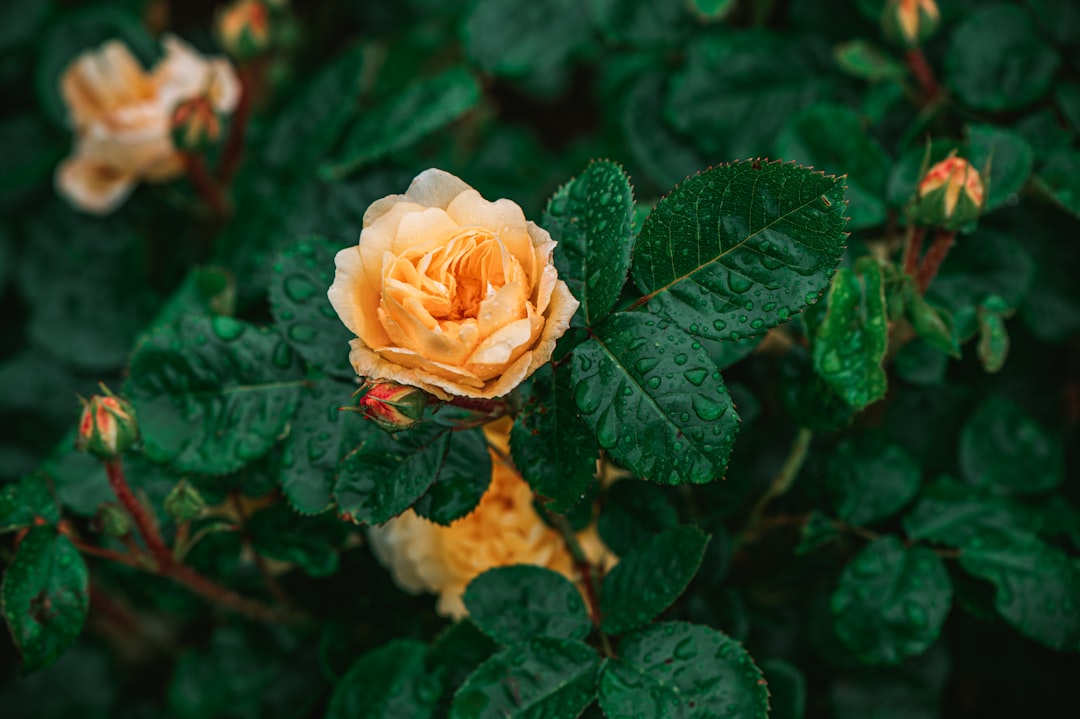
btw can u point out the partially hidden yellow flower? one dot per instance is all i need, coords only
(122, 118)
(449, 292)
(504, 529)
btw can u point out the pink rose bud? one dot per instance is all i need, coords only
(393, 406)
(107, 426)
(910, 22)
(950, 195)
(243, 28)
(196, 125)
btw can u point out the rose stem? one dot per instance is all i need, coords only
(920, 68)
(587, 571)
(497, 407)
(269, 582)
(781, 483)
(165, 565)
(912, 251)
(250, 83)
(204, 184)
(934, 257)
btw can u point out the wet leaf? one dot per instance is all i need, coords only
(517, 603)
(24, 502)
(956, 514)
(390, 682)
(870, 480)
(1004, 450)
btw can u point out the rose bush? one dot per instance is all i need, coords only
(121, 115)
(449, 292)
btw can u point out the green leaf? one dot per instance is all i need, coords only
(312, 449)
(833, 138)
(647, 580)
(850, 344)
(551, 446)
(666, 155)
(870, 479)
(817, 531)
(998, 61)
(387, 683)
(933, 325)
(516, 603)
(712, 10)
(631, 22)
(212, 394)
(310, 542)
(993, 347)
(205, 291)
(45, 597)
(458, 490)
(654, 400)
(1003, 449)
(808, 398)
(740, 248)
(1059, 177)
(315, 119)
(419, 110)
(632, 513)
(980, 265)
(866, 60)
(515, 39)
(544, 677)
(387, 473)
(24, 502)
(956, 514)
(298, 300)
(682, 670)
(592, 219)
(787, 689)
(456, 652)
(736, 90)
(1038, 587)
(891, 601)
(1008, 157)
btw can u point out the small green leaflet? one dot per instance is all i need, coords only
(513, 604)
(740, 248)
(45, 597)
(22, 503)
(388, 683)
(870, 479)
(1004, 449)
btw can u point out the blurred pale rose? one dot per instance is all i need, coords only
(503, 530)
(449, 292)
(121, 116)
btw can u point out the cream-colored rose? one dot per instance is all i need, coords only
(121, 115)
(449, 292)
(504, 529)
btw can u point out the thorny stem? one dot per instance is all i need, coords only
(587, 572)
(934, 257)
(913, 250)
(781, 483)
(924, 74)
(144, 523)
(209, 190)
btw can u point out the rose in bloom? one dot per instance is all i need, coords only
(950, 195)
(504, 529)
(122, 116)
(449, 292)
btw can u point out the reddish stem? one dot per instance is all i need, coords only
(487, 406)
(144, 522)
(203, 182)
(931, 263)
(251, 76)
(923, 73)
(913, 251)
(227, 598)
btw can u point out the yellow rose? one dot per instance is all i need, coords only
(121, 115)
(449, 292)
(504, 529)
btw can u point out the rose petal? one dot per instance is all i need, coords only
(435, 188)
(503, 218)
(91, 185)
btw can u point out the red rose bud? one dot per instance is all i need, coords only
(910, 22)
(393, 406)
(950, 195)
(107, 426)
(196, 126)
(243, 28)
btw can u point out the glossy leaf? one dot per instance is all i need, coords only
(389, 682)
(870, 480)
(740, 248)
(212, 394)
(654, 400)
(312, 543)
(26, 502)
(1003, 449)
(808, 397)
(416, 112)
(650, 578)
(516, 603)
(666, 155)
(850, 344)
(552, 448)
(682, 670)
(891, 601)
(544, 677)
(45, 597)
(957, 514)
(302, 312)
(592, 219)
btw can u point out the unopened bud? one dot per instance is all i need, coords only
(112, 521)
(393, 406)
(950, 195)
(184, 503)
(107, 426)
(910, 22)
(243, 28)
(196, 126)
